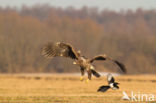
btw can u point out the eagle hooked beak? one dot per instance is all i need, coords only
(74, 63)
(79, 52)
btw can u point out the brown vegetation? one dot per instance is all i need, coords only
(127, 35)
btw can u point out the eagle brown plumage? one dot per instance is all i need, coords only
(105, 57)
(61, 49)
(51, 50)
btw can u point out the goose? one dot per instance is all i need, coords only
(61, 49)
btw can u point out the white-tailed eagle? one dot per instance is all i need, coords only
(61, 49)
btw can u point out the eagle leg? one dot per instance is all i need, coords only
(89, 75)
(82, 74)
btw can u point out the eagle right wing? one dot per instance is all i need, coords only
(105, 57)
(61, 49)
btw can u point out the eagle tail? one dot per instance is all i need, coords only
(95, 73)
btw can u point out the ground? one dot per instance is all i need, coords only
(61, 88)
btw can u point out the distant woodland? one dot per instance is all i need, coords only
(126, 35)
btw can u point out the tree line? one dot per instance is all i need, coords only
(128, 36)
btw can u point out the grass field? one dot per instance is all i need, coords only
(61, 88)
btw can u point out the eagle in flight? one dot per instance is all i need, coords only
(61, 49)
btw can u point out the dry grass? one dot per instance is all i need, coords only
(69, 89)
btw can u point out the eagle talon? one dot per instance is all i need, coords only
(81, 78)
(87, 81)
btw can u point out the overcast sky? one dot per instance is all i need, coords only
(110, 4)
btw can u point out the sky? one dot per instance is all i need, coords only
(109, 4)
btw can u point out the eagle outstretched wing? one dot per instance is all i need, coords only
(105, 57)
(61, 49)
